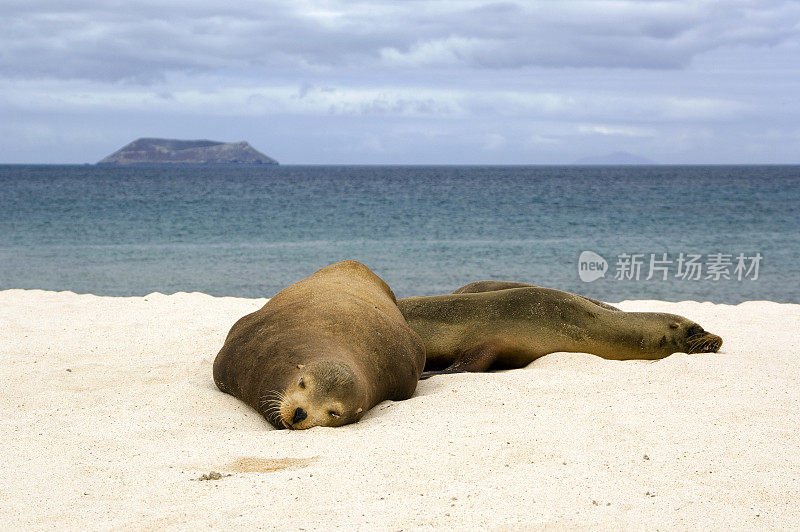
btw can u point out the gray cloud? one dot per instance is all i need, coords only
(146, 41)
(441, 81)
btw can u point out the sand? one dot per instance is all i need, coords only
(110, 418)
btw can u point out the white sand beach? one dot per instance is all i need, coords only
(110, 416)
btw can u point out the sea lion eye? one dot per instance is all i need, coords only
(301, 384)
(334, 413)
(673, 325)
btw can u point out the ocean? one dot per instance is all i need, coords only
(724, 234)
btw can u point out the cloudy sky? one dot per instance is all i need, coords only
(404, 81)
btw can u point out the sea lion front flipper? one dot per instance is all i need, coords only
(475, 360)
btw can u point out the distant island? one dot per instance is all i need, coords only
(149, 151)
(616, 158)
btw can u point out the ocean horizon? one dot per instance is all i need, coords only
(721, 233)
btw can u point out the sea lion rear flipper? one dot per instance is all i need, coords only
(496, 286)
(600, 303)
(490, 286)
(475, 360)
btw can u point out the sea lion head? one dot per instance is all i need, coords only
(325, 392)
(690, 337)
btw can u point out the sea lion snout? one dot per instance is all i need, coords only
(702, 341)
(299, 415)
(716, 343)
(691, 338)
(707, 343)
(324, 393)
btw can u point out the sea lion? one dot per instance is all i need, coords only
(509, 328)
(493, 286)
(322, 351)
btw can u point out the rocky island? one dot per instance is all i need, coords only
(149, 151)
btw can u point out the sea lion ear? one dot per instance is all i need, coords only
(673, 325)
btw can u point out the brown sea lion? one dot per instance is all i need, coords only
(509, 328)
(322, 351)
(493, 286)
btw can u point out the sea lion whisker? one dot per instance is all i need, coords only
(271, 406)
(276, 401)
(271, 393)
(273, 411)
(274, 395)
(696, 341)
(695, 348)
(266, 401)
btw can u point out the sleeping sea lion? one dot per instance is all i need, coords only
(509, 328)
(322, 351)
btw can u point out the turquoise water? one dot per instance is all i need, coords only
(251, 231)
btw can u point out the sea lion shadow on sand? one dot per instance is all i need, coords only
(507, 325)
